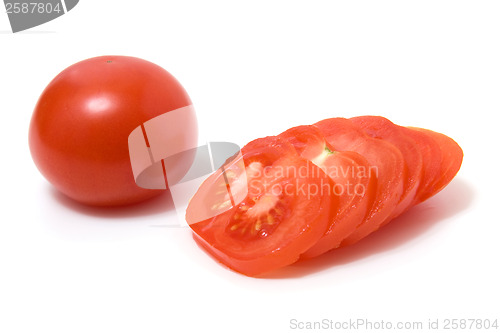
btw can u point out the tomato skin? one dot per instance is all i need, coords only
(81, 123)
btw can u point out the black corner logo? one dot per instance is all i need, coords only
(28, 14)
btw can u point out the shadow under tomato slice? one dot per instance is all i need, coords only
(286, 209)
(353, 184)
(385, 161)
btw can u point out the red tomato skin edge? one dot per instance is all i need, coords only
(451, 159)
(256, 267)
(251, 268)
(431, 153)
(281, 257)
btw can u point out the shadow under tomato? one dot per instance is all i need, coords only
(419, 220)
(156, 205)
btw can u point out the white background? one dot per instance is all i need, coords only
(254, 69)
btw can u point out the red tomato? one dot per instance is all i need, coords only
(384, 129)
(384, 159)
(79, 131)
(449, 160)
(431, 166)
(308, 141)
(285, 210)
(354, 184)
(246, 223)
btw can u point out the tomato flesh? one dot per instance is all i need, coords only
(258, 225)
(386, 162)
(384, 129)
(308, 141)
(449, 161)
(354, 184)
(279, 218)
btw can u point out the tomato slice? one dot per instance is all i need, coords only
(385, 161)
(431, 166)
(308, 141)
(382, 128)
(450, 161)
(354, 185)
(286, 209)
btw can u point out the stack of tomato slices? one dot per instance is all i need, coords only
(315, 188)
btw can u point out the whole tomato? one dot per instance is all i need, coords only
(79, 130)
